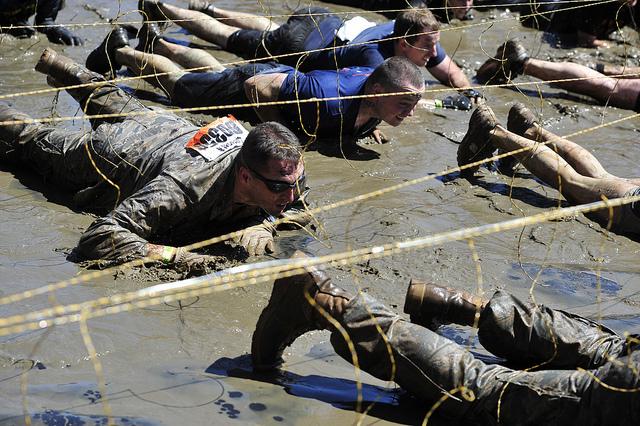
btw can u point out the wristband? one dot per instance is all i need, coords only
(168, 254)
(438, 103)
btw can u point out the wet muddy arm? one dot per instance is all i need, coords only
(449, 74)
(123, 233)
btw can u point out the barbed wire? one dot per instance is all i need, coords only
(284, 55)
(71, 24)
(317, 210)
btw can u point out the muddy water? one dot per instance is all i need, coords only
(186, 362)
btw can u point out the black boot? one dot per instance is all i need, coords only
(505, 66)
(147, 36)
(150, 11)
(103, 58)
(289, 314)
(202, 6)
(430, 305)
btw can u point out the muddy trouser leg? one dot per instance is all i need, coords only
(105, 99)
(72, 159)
(613, 397)
(530, 335)
(432, 367)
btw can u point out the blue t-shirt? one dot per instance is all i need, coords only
(325, 119)
(359, 52)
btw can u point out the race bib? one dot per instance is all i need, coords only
(353, 27)
(218, 139)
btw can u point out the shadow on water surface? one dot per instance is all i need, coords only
(388, 404)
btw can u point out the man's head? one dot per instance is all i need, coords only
(269, 172)
(419, 32)
(458, 8)
(395, 75)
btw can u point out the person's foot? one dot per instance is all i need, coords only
(147, 36)
(103, 58)
(431, 306)
(476, 144)
(150, 11)
(289, 314)
(64, 71)
(507, 64)
(9, 132)
(202, 6)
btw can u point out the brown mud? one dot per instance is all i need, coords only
(185, 362)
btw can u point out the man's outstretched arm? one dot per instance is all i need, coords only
(449, 74)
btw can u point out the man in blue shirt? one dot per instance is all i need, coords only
(334, 114)
(444, 10)
(414, 34)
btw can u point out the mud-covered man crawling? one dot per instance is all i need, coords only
(160, 181)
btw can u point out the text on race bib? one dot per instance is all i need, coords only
(218, 139)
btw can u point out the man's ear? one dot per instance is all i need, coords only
(243, 174)
(402, 44)
(377, 88)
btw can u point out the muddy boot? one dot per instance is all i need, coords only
(62, 71)
(147, 36)
(507, 64)
(100, 98)
(150, 11)
(431, 306)
(202, 6)
(476, 144)
(289, 314)
(520, 120)
(10, 133)
(103, 58)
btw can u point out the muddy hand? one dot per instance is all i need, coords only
(257, 239)
(61, 35)
(191, 261)
(379, 137)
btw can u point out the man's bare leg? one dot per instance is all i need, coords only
(551, 168)
(199, 24)
(149, 64)
(523, 122)
(246, 21)
(620, 93)
(188, 57)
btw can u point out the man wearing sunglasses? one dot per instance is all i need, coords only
(159, 181)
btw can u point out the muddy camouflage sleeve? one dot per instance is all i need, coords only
(123, 233)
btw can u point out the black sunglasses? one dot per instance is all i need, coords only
(278, 186)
